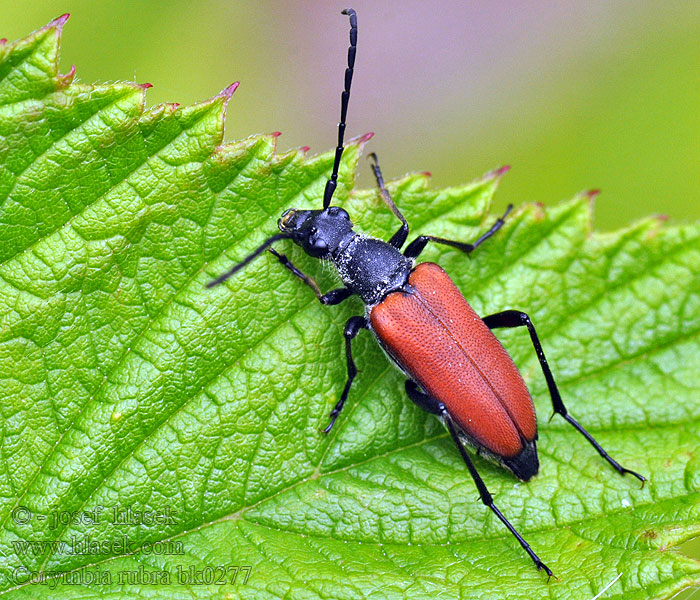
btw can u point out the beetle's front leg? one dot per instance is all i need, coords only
(330, 298)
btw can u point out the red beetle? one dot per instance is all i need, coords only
(456, 367)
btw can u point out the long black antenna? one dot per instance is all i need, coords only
(255, 253)
(344, 98)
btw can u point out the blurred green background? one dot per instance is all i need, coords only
(573, 95)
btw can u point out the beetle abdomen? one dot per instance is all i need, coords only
(445, 347)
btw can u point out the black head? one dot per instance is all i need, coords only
(319, 232)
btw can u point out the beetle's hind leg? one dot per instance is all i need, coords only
(418, 245)
(427, 403)
(352, 328)
(516, 318)
(433, 406)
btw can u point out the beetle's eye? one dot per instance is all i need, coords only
(286, 217)
(318, 244)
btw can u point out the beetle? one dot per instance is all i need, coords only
(456, 367)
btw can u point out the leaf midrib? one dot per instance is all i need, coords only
(505, 535)
(240, 515)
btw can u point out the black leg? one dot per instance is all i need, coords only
(352, 328)
(331, 298)
(399, 238)
(515, 318)
(344, 98)
(427, 403)
(418, 245)
(432, 405)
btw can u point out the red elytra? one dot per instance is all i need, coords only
(444, 346)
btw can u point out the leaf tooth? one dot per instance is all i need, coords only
(227, 92)
(592, 194)
(66, 79)
(496, 173)
(58, 22)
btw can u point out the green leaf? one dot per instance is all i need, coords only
(129, 386)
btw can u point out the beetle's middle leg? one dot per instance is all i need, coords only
(432, 405)
(352, 328)
(516, 318)
(418, 245)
